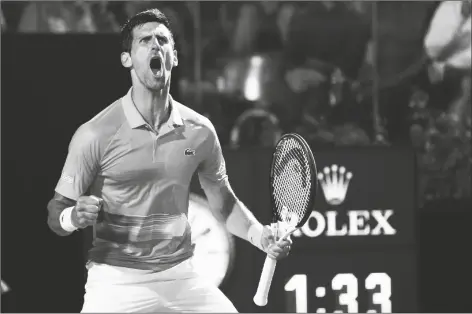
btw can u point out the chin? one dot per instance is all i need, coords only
(155, 88)
(158, 83)
(155, 85)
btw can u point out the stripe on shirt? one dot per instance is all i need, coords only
(134, 229)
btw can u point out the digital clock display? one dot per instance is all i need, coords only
(347, 282)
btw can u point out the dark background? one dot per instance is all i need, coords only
(52, 84)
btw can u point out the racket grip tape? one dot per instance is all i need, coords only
(262, 293)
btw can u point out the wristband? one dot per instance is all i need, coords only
(254, 235)
(65, 220)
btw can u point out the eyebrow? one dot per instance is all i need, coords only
(150, 34)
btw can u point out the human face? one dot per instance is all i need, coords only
(152, 56)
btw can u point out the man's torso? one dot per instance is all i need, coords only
(143, 178)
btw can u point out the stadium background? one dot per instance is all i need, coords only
(54, 80)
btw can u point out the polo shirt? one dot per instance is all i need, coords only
(143, 177)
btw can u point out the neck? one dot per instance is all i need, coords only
(153, 105)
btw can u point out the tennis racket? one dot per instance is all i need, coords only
(293, 187)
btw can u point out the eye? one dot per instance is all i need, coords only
(162, 39)
(145, 39)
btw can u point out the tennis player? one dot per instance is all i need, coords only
(127, 174)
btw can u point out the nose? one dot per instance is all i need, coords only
(154, 42)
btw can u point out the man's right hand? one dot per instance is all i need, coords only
(86, 211)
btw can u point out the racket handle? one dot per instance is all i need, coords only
(265, 281)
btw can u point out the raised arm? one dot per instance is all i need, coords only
(79, 171)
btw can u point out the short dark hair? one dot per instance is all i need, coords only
(148, 16)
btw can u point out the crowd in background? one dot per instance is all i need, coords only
(340, 73)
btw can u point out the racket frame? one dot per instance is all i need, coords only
(314, 181)
(265, 281)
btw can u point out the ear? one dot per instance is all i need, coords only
(126, 60)
(176, 59)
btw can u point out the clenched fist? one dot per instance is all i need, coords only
(85, 212)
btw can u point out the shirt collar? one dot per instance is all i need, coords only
(175, 119)
(136, 120)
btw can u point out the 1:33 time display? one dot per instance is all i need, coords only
(364, 281)
(346, 289)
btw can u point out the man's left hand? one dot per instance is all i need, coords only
(274, 248)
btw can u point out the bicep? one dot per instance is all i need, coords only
(81, 166)
(218, 191)
(212, 169)
(213, 177)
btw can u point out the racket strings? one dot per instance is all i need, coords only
(291, 181)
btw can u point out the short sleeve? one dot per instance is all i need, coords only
(212, 170)
(82, 164)
(442, 28)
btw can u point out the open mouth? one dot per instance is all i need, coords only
(155, 65)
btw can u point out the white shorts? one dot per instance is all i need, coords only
(178, 289)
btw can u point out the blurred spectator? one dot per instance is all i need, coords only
(448, 41)
(448, 44)
(441, 130)
(55, 17)
(261, 27)
(326, 46)
(267, 34)
(400, 61)
(104, 19)
(216, 31)
(444, 153)
(11, 13)
(67, 17)
(329, 32)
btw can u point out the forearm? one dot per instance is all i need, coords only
(240, 220)
(55, 208)
(55, 226)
